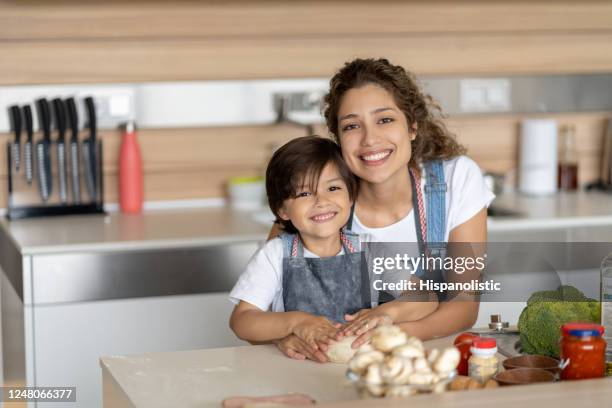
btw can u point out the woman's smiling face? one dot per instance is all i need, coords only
(374, 133)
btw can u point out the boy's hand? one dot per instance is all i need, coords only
(297, 349)
(316, 331)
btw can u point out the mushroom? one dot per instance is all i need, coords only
(362, 360)
(433, 355)
(403, 375)
(421, 365)
(422, 378)
(374, 374)
(400, 391)
(447, 361)
(386, 338)
(408, 351)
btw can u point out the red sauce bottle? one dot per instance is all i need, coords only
(583, 351)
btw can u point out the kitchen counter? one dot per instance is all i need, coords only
(566, 209)
(221, 225)
(118, 232)
(203, 378)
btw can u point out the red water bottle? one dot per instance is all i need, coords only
(130, 172)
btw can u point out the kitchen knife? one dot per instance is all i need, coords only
(89, 150)
(60, 125)
(27, 148)
(43, 150)
(15, 116)
(73, 123)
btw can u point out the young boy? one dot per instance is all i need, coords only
(307, 280)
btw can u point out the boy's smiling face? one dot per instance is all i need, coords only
(322, 213)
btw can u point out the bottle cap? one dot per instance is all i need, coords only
(582, 329)
(484, 343)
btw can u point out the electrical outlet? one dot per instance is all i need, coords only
(485, 95)
(114, 104)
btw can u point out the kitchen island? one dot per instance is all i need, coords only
(203, 378)
(79, 287)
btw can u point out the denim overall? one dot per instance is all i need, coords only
(331, 286)
(431, 223)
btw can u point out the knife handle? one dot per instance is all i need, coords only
(74, 172)
(29, 123)
(91, 117)
(73, 118)
(60, 117)
(28, 158)
(42, 105)
(16, 125)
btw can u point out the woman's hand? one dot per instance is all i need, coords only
(316, 331)
(297, 349)
(362, 323)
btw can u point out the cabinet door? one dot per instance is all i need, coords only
(70, 338)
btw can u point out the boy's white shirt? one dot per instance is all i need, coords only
(261, 283)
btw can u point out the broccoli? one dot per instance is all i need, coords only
(546, 311)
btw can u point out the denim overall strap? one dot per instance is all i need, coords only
(288, 240)
(435, 199)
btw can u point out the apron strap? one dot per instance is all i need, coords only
(418, 207)
(349, 247)
(297, 249)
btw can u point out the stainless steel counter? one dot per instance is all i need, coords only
(160, 229)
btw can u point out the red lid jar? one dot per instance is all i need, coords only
(583, 351)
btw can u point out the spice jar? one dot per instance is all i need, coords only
(483, 364)
(583, 351)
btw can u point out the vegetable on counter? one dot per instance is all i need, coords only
(463, 342)
(546, 311)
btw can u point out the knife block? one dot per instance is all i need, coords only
(25, 201)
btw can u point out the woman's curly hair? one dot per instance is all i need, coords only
(433, 140)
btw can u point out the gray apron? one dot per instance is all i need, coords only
(330, 287)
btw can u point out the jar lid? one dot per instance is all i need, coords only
(582, 329)
(484, 343)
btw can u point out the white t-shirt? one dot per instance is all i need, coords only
(466, 194)
(261, 284)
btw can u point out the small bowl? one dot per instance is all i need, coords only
(522, 376)
(533, 361)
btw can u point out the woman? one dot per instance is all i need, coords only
(391, 140)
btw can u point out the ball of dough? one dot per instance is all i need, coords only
(341, 351)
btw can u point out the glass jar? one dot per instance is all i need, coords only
(606, 308)
(483, 364)
(567, 174)
(583, 351)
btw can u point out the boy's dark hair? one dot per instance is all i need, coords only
(300, 162)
